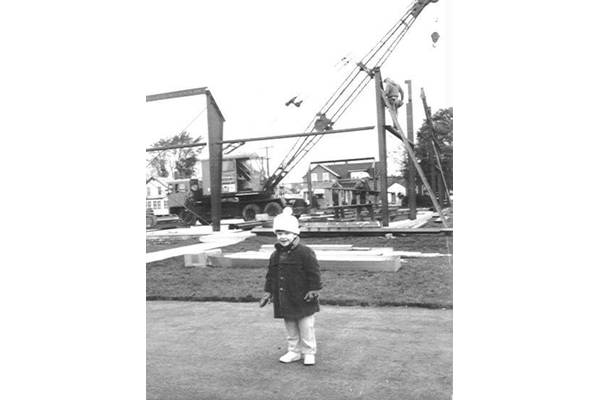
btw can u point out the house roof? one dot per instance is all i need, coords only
(162, 181)
(395, 185)
(326, 168)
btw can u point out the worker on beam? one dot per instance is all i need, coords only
(394, 93)
(323, 123)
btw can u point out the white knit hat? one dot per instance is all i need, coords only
(286, 222)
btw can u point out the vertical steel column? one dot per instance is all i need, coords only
(385, 218)
(410, 190)
(215, 154)
(309, 182)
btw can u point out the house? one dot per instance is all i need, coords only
(156, 195)
(340, 183)
(395, 193)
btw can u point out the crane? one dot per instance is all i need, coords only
(196, 203)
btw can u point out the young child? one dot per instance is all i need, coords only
(292, 284)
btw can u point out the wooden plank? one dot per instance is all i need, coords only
(361, 251)
(346, 254)
(360, 232)
(315, 247)
(193, 249)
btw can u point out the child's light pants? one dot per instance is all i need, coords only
(301, 335)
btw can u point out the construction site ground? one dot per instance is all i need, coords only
(422, 282)
(381, 335)
(217, 350)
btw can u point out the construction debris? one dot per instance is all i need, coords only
(200, 259)
(213, 241)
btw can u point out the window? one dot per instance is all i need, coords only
(325, 176)
(156, 204)
(148, 204)
(147, 191)
(166, 204)
(159, 189)
(313, 177)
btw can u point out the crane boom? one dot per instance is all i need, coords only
(348, 90)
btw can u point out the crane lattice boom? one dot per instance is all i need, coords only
(348, 90)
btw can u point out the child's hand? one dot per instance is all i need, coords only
(266, 298)
(311, 295)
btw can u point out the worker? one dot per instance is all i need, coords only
(393, 93)
(322, 123)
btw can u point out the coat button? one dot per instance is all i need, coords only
(281, 289)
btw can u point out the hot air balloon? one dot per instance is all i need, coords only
(435, 36)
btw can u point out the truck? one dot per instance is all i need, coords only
(242, 193)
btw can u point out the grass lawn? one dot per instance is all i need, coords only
(153, 245)
(424, 282)
(216, 350)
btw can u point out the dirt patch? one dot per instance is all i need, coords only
(230, 351)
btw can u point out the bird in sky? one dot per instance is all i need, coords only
(290, 101)
(294, 102)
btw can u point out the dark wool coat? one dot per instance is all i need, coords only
(292, 272)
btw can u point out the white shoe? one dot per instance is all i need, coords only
(290, 356)
(309, 359)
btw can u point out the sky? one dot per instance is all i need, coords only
(254, 56)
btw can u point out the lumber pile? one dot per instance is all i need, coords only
(339, 225)
(328, 260)
(334, 257)
(368, 231)
(351, 250)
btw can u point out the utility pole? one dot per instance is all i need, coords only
(412, 199)
(267, 156)
(385, 218)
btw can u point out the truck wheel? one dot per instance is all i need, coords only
(273, 209)
(150, 221)
(187, 218)
(249, 212)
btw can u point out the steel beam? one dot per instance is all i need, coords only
(394, 132)
(178, 93)
(343, 160)
(176, 146)
(410, 189)
(215, 154)
(363, 128)
(380, 107)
